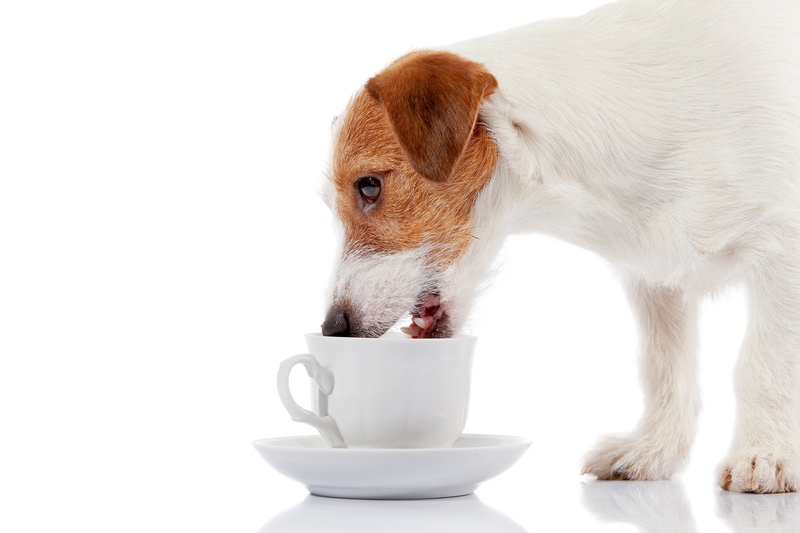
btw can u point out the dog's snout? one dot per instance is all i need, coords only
(336, 324)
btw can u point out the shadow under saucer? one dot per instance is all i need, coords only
(465, 514)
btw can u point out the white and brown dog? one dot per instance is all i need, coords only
(662, 134)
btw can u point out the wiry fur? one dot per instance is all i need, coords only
(362, 277)
(665, 136)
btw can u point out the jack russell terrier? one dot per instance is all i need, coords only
(662, 134)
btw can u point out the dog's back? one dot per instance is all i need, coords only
(694, 105)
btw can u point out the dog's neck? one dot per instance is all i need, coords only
(527, 182)
(543, 188)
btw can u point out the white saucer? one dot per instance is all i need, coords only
(392, 474)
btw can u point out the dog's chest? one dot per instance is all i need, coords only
(660, 248)
(671, 259)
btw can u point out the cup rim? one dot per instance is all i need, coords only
(454, 338)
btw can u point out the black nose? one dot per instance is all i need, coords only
(336, 325)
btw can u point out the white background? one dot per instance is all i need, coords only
(163, 246)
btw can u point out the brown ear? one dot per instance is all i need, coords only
(432, 101)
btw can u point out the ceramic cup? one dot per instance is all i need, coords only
(384, 392)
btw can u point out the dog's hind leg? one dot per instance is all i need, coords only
(766, 446)
(659, 445)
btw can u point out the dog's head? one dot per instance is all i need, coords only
(410, 157)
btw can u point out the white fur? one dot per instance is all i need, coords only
(382, 287)
(665, 136)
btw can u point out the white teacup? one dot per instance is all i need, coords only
(384, 392)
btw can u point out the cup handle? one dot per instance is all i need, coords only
(324, 379)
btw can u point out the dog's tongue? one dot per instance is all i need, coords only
(424, 322)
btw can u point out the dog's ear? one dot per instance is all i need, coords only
(432, 101)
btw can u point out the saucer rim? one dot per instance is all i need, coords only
(515, 440)
(392, 473)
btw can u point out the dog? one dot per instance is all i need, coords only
(662, 135)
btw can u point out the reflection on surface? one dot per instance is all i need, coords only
(747, 513)
(651, 506)
(466, 514)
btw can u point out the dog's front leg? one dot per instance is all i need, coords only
(657, 448)
(765, 452)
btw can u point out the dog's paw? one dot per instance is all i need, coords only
(758, 471)
(633, 458)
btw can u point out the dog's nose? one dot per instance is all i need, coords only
(336, 325)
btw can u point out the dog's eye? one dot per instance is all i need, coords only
(369, 187)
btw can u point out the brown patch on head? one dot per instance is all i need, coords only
(415, 126)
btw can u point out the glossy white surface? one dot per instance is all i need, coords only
(392, 473)
(385, 392)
